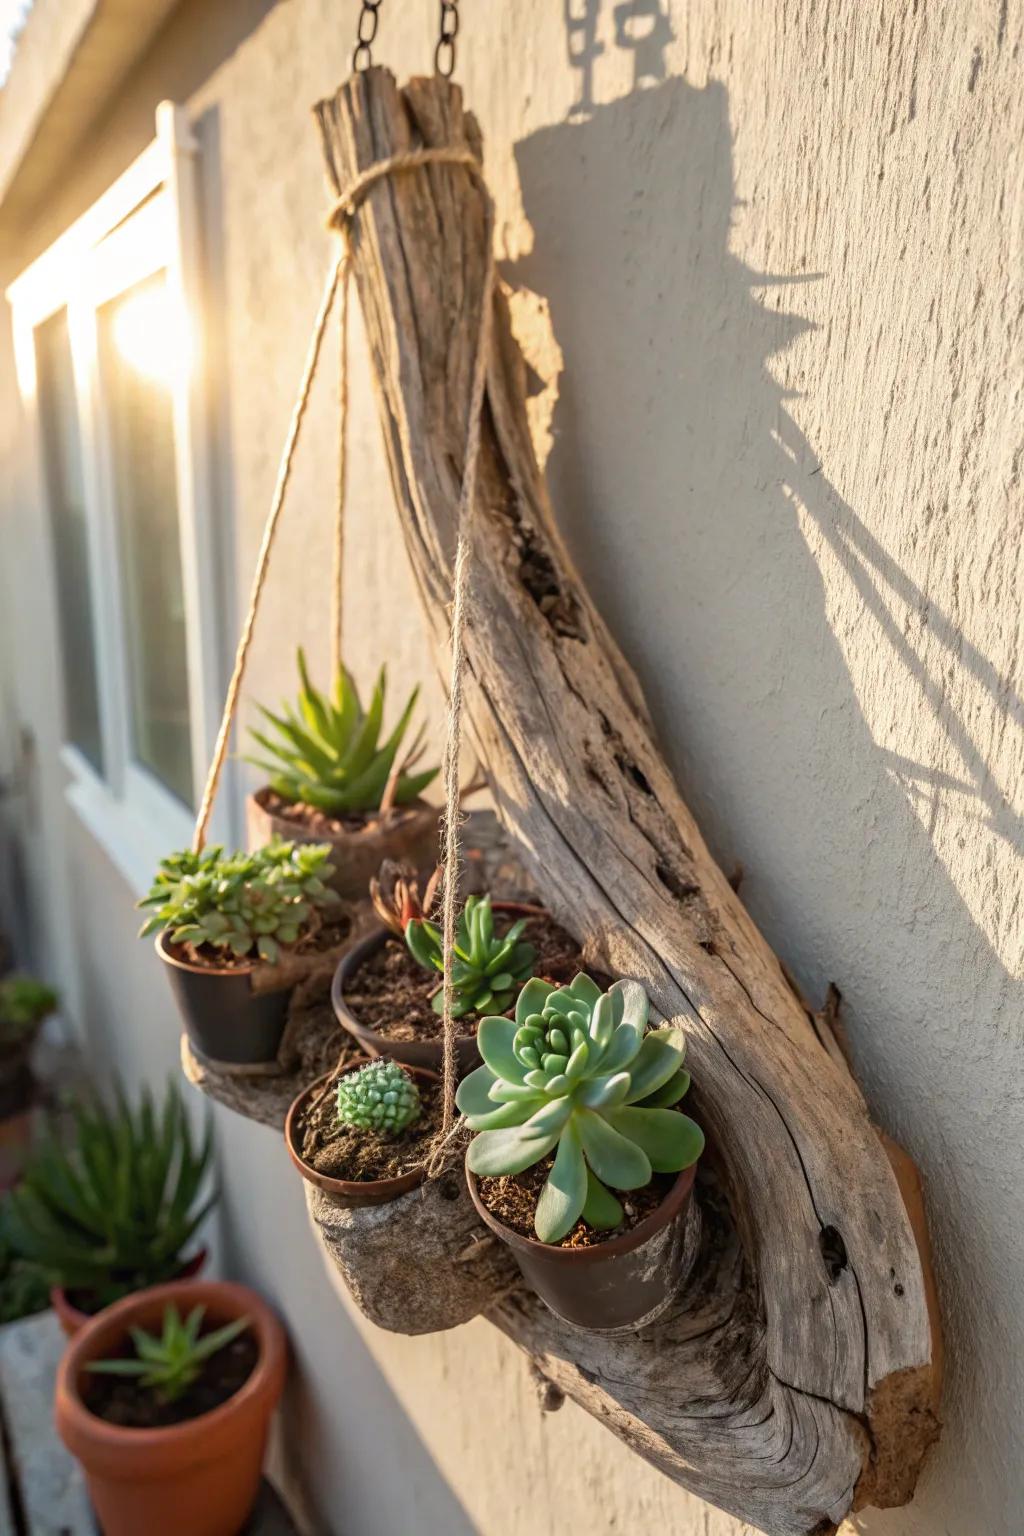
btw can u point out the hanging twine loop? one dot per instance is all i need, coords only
(339, 219)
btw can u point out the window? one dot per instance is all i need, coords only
(108, 349)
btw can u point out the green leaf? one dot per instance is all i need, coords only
(635, 1006)
(471, 1096)
(424, 944)
(601, 1210)
(616, 1160)
(669, 1093)
(671, 1140)
(659, 1059)
(602, 1092)
(585, 989)
(365, 744)
(621, 1049)
(532, 998)
(495, 1038)
(565, 1190)
(493, 1153)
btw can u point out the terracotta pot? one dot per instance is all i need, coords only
(411, 1053)
(201, 1476)
(409, 833)
(72, 1318)
(615, 1286)
(224, 1018)
(348, 1192)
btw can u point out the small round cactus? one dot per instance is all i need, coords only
(379, 1097)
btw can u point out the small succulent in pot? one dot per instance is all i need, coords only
(395, 893)
(326, 751)
(380, 1097)
(241, 904)
(575, 1074)
(169, 1362)
(488, 968)
(24, 1004)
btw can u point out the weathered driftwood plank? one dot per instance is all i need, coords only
(806, 1381)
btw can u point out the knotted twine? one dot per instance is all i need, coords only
(340, 220)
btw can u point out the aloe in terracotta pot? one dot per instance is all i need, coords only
(331, 778)
(230, 928)
(166, 1399)
(578, 1132)
(116, 1210)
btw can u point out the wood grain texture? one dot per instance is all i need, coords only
(822, 1387)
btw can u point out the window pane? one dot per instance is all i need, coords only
(62, 461)
(135, 345)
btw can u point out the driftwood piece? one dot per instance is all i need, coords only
(802, 1381)
(419, 1265)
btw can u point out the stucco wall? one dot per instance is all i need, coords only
(780, 250)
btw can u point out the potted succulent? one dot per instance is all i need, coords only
(361, 1133)
(24, 1004)
(387, 990)
(165, 1399)
(226, 925)
(331, 779)
(574, 1101)
(115, 1211)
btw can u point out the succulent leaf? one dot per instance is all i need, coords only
(487, 971)
(575, 1070)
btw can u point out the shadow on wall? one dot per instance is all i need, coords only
(692, 500)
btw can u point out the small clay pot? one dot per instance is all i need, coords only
(411, 1053)
(615, 1286)
(407, 834)
(224, 1018)
(348, 1192)
(201, 1476)
(72, 1318)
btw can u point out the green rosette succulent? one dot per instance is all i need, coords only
(326, 751)
(379, 1097)
(575, 1074)
(487, 967)
(241, 902)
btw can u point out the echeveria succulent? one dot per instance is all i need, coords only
(379, 1097)
(326, 752)
(487, 967)
(241, 902)
(575, 1074)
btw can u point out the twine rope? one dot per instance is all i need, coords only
(339, 219)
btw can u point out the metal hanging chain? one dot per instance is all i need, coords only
(366, 31)
(444, 53)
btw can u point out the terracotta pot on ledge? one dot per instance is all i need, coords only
(408, 833)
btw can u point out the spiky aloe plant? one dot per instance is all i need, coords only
(488, 967)
(574, 1073)
(326, 752)
(379, 1097)
(241, 902)
(169, 1362)
(115, 1211)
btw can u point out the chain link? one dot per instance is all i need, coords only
(444, 53)
(366, 31)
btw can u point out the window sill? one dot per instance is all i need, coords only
(133, 838)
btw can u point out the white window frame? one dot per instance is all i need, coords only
(146, 222)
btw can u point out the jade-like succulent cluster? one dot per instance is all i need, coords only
(487, 967)
(326, 751)
(241, 903)
(575, 1074)
(169, 1362)
(379, 1097)
(24, 1003)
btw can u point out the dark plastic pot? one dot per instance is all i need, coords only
(348, 1192)
(411, 1053)
(71, 1318)
(615, 1286)
(224, 1018)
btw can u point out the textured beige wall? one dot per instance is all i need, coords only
(780, 249)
